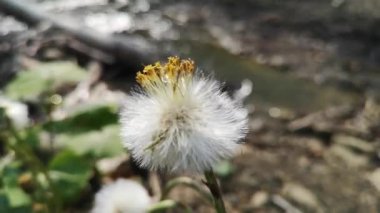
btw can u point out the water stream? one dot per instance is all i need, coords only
(270, 87)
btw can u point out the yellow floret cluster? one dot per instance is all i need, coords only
(168, 74)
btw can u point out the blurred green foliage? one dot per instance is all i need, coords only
(224, 169)
(103, 143)
(93, 118)
(44, 174)
(31, 83)
(12, 197)
(70, 173)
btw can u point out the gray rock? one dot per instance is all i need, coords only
(301, 195)
(374, 178)
(350, 158)
(353, 142)
(259, 199)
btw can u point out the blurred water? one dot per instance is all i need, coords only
(270, 87)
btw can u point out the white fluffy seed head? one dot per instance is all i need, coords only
(17, 112)
(181, 121)
(122, 196)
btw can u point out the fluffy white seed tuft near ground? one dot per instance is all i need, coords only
(123, 196)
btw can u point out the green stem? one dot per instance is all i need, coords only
(27, 154)
(167, 204)
(212, 184)
(186, 181)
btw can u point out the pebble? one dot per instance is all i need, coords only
(108, 165)
(374, 178)
(350, 158)
(353, 142)
(301, 195)
(259, 199)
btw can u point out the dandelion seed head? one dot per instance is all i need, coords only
(180, 120)
(16, 111)
(122, 196)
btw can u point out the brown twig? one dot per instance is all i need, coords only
(132, 52)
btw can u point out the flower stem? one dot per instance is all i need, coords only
(212, 184)
(164, 205)
(186, 181)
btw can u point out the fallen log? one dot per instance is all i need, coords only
(131, 52)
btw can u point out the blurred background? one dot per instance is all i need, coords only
(309, 71)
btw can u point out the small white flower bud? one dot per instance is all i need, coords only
(17, 112)
(122, 196)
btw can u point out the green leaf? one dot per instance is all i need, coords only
(31, 136)
(3, 123)
(2, 113)
(71, 163)
(17, 197)
(12, 198)
(70, 173)
(103, 143)
(5, 205)
(44, 77)
(91, 119)
(10, 174)
(224, 168)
